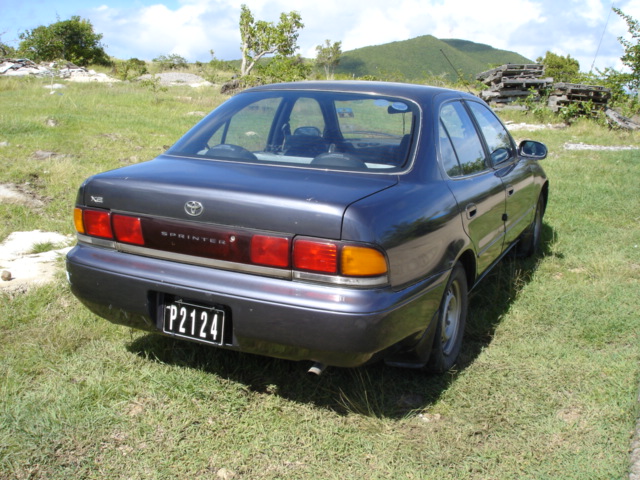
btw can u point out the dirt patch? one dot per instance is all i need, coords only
(635, 453)
(18, 195)
(171, 79)
(584, 146)
(530, 127)
(22, 268)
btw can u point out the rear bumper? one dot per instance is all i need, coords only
(274, 317)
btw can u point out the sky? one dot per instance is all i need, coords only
(587, 30)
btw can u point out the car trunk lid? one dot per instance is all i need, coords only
(295, 201)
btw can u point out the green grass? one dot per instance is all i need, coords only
(547, 386)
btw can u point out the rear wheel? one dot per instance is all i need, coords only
(530, 242)
(452, 318)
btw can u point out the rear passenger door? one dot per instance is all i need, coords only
(515, 175)
(479, 192)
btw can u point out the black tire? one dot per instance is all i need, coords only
(452, 318)
(529, 244)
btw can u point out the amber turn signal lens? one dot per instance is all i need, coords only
(77, 220)
(362, 262)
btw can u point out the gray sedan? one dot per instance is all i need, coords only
(281, 226)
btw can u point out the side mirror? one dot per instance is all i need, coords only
(501, 155)
(532, 149)
(308, 131)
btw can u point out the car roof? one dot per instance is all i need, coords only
(419, 93)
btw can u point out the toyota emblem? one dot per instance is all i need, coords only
(193, 208)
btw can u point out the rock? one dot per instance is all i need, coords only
(66, 70)
(231, 87)
(225, 474)
(22, 67)
(429, 418)
(27, 269)
(6, 275)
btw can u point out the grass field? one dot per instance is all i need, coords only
(547, 387)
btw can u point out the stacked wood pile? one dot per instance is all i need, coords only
(512, 82)
(564, 94)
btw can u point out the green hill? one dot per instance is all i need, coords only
(424, 56)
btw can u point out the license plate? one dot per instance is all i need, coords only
(197, 322)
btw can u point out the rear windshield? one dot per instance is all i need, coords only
(324, 130)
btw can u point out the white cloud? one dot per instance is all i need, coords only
(374, 27)
(191, 28)
(493, 26)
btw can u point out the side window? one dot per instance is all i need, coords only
(248, 128)
(464, 137)
(497, 138)
(448, 155)
(374, 118)
(306, 113)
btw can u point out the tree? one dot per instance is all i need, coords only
(73, 40)
(631, 57)
(562, 69)
(171, 62)
(281, 69)
(131, 68)
(329, 57)
(261, 38)
(217, 64)
(6, 50)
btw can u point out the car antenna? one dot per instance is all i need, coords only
(595, 57)
(460, 77)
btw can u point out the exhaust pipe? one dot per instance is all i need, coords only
(317, 369)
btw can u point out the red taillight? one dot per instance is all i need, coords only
(270, 251)
(358, 264)
(315, 256)
(97, 223)
(128, 229)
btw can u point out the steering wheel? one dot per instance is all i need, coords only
(339, 160)
(228, 150)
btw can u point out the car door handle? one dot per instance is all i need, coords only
(471, 210)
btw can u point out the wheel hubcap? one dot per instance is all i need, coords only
(451, 318)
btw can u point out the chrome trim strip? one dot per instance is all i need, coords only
(204, 262)
(98, 242)
(342, 281)
(237, 267)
